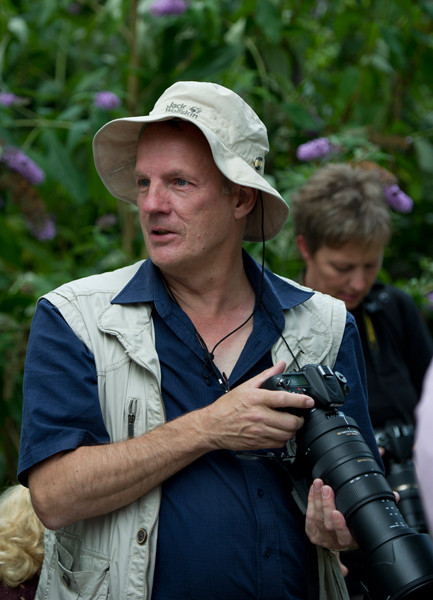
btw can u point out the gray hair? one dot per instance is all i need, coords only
(341, 203)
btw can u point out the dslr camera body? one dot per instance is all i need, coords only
(398, 560)
(328, 388)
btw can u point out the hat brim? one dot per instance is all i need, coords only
(115, 151)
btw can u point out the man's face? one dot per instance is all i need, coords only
(187, 220)
(347, 273)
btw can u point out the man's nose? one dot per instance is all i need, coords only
(154, 200)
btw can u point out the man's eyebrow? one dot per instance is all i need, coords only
(178, 172)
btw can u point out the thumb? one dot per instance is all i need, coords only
(274, 370)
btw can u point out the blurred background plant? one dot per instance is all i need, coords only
(353, 74)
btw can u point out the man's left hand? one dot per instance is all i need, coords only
(325, 525)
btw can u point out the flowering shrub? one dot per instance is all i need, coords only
(107, 100)
(292, 66)
(162, 8)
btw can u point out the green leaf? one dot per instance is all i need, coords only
(300, 117)
(10, 245)
(60, 167)
(424, 153)
(269, 20)
(18, 27)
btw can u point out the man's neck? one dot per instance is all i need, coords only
(212, 293)
(218, 305)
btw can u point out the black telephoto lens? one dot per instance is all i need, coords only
(398, 559)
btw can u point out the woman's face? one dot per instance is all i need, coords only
(347, 273)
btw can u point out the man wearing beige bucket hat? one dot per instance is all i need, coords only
(148, 443)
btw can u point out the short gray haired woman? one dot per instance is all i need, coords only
(343, 224)
(339, 204)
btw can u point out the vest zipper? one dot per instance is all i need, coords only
(131, 416)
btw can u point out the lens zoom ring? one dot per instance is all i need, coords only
(360, 490)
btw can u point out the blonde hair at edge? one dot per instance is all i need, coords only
(339, 204)
(21, 537)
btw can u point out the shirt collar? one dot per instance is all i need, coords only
(278, 293)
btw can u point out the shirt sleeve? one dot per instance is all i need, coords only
(350, 362)
(61, 409)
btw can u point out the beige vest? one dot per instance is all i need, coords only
(112, 556)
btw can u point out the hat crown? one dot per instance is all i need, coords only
(223, 112)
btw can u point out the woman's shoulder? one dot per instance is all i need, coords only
(383, 296)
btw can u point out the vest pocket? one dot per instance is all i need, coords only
(76, 572)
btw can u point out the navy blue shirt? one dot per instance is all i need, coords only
(229, 527)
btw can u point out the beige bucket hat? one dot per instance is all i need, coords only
(237, 138)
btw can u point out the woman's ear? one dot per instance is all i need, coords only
(303, 247)
(246, 199)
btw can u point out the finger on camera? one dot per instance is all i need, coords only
(324, 502)
(287, 400)
(276, 369)
(343, 534)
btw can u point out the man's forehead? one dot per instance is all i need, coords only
(171, 125)
(183, 134)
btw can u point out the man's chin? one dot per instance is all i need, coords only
(168, 264)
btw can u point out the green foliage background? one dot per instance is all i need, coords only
(358, 71)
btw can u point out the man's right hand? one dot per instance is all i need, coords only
(247, 417)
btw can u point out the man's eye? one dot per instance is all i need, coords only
(181, 182)
(142, 182)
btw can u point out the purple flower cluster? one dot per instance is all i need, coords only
(107, 100)
(313, 149)
(106, 221)
(44, 231)
(9, 99)
(162, 8)
(397, 199)
(17, 161)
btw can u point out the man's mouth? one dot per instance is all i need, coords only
(160, 231)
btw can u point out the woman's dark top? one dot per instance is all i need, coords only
(397, 349)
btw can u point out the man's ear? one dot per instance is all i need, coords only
(303, 247)
(246, 199)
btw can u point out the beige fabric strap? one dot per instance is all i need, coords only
(331, 581)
